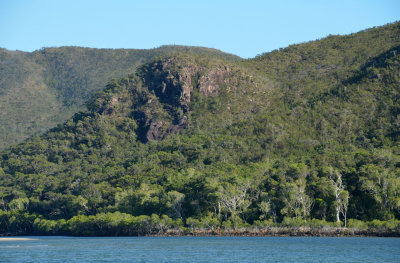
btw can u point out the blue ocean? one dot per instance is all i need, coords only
(201, 249)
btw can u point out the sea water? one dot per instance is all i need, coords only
(201, 249)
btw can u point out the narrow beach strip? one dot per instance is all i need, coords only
(15, 239)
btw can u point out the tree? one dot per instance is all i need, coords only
(234, 198)
(174, 203)
(210, 221)
(19, 204)
(341, 196)
(146, 200)
(264, 205)
(383, 186)
(192, 223)
(344, 197)
(296, 200)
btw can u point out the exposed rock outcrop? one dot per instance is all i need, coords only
(211, 82)
(157, 130)
(166, 92)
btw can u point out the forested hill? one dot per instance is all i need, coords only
(41, 89)
(304, 135)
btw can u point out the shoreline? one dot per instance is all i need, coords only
(16, 239)
(269, 232)
(287, 233)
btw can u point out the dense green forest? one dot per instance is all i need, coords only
(41, 89)
(302, 136)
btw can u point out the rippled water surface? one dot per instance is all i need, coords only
(201, 249)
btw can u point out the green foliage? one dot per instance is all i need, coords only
(300, 137)
(107, 224)
(293, 222)
(391, 225)
(264, 223)
(44, 88)
(318, 223)
(354, 223)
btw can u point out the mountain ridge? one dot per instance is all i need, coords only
(43, 88)
(230, 144)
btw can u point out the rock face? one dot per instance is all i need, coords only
(211, 82)
(160, 95)
(157, 131)
(172, 80)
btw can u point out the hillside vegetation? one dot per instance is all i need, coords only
(44, 88)
(303, 136)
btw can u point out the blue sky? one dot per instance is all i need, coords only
(245, 28)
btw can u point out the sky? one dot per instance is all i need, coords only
(246, 28)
